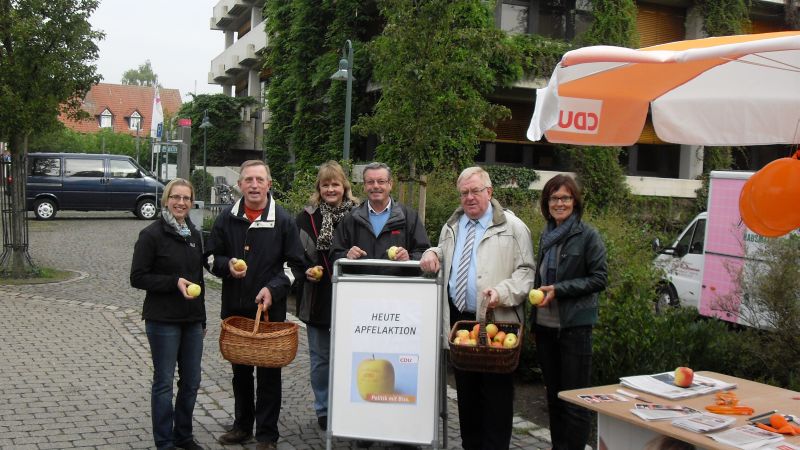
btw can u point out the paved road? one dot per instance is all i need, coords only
(75, 365)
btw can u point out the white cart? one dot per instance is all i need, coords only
(387, 375)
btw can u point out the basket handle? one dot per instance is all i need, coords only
(483, 314)
(258, 317)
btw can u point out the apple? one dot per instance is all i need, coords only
(535, 296)
(475, 330)
(683, 377)
(193, 290)
(472, 342)
(240, 265)
(374, 376)
(458, 340)
(510, 341)
(316, 272)
(497, 344)
(392, 252)
(499, 337)
(491, 330)
(463, 334)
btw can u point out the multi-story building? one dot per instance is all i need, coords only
(654, 167)
(238, 68)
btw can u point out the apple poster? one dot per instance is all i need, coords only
(384, 378)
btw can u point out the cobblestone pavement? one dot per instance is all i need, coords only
(75, 365)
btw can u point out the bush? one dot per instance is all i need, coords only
(202, 182)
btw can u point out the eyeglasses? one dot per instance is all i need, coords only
(375, 182)
(180, 198)
(565, 200)
(474, 192)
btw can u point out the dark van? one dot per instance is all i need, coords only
(90, 182)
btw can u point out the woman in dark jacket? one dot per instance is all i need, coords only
(331, 201)
(167, 260)
(571, 271)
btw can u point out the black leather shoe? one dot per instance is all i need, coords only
(323, 422)
(235, 436)
(189, 445)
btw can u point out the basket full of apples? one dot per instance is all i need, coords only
(485, 346)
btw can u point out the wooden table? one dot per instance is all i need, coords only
(620, 429)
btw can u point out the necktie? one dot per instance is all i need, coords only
(463, 268)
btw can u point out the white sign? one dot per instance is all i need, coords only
(385, 367)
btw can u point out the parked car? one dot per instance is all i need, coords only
(702, 267)
(90, 182)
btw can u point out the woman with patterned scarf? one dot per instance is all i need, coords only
(571, 270)
(167, 259)
(331, 201)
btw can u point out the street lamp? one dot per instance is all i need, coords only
(205, 126)
(345, 73)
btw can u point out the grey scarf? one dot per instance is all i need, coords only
(181, 229)
(550, 241)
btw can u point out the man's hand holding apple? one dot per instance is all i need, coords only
(429, 262)
(234, 266)
(398, 254)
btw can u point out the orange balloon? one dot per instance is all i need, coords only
(749, 215)
(775, 193)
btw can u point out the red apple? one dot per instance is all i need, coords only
(684, 377)
(499, 337)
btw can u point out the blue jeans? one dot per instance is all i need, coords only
(172, 343)
(319, 351)
(565, 356)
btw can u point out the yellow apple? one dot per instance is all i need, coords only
(193, 290)
(684, 377)
(472, 342)
(463, 334)
(510, 341)
(392, 252)
(374, 376)
(535, 296)
(491, 330)
(458, 340)
(316, 272)
(499, 337)
(240, 265)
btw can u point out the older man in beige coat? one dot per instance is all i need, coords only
(487, 257)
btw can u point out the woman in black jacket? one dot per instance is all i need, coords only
(331, 201)
(168, 263)
(571, 271)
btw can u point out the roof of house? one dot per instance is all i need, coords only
(122, 101)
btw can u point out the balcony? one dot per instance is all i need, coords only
(230, 14)
(240, 57)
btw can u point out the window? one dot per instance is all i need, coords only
(693, 240)
(136, 121)
(122, 169)
(83, 168)
(44, 167)
(514, 18)
(106, 119)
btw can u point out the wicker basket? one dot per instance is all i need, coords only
(256, 343)
(483, 357)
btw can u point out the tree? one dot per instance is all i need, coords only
(224, 113)
(47, 49)
(143, 76)
(435, 62)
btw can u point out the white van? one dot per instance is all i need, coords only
(702, 266)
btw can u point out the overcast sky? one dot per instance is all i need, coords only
(173, 34)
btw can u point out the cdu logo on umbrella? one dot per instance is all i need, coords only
(579, 115)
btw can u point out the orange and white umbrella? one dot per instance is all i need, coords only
(731, 90)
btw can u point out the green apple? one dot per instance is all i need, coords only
(392, 252)
(193, 290)
(374, 376)
(510, 341)
(535, 296)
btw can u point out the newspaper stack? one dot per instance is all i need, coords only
(651, 411)
(705, 422)
(747, 437)
(662, 384)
